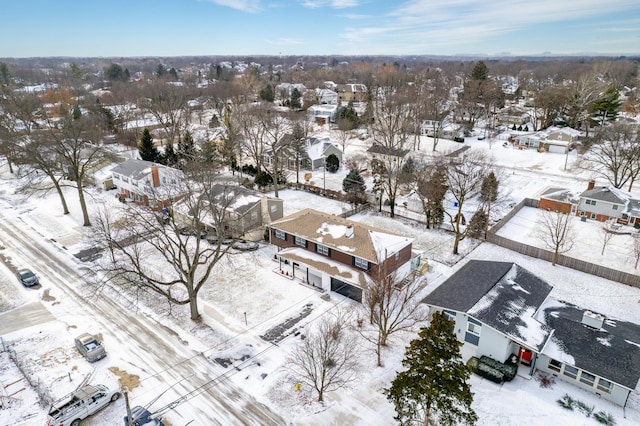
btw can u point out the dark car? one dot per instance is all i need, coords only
(481, 138)
(27, 278)
(458, 139)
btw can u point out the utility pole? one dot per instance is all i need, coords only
(126, 402)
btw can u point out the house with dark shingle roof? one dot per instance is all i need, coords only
(559, 200)
(337, 254)
(606, 202)
(501, 310)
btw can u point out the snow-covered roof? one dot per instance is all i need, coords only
(502, 295)
(324, 264)
(611, 351)
(344, 235)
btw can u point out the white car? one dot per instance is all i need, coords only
(80, 404)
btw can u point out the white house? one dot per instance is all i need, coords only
(147, 183)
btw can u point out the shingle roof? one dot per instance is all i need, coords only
(501, 295)
(608, 194)
(134, 169)
(235, 197)
(332, 231)
(612, 352)
(561, 194)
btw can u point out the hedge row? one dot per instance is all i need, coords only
(508, 369)
(491, 369)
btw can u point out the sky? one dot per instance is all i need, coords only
(125, 28)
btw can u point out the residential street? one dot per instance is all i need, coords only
(164, 358)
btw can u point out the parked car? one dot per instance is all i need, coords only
(243, 245)
(90, 347)
(27, 278)
(458, 139)
(481, 138)
(79, 404)
(142, 417)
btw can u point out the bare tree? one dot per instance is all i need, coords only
(175, 236)
(277, 143)
(394, 109)
(556, 232)
(167, 103)
(615, 156)
(392, 306)
(430, 187)
(607, 233)
(464, 178)
(327, 358)
(248, 122)
(636, 249)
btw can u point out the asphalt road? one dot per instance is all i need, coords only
(146, 345)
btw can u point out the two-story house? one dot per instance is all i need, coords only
(606, 202)
(351, 92)
(503, 311)
(337, 254)
(147, 183)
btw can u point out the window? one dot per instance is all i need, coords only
(588, 201)
(615, 207)
(591, 202)
(570, 371)
(593, 215)
(397, 256)
(473, 328)
(322, 249)
(582, 214)
(254, 215)
(473, 332)
(279, 234)
(360, 263)
(300, 242)
(587, 378)
(554, 365)
(451, 316)
(273, 208)
(604, 385)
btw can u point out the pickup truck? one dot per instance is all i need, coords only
(80, 404)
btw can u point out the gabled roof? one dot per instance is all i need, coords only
(612, 352)
(561, 194)
(135, 169)
(501, 295)
(608, 194)
(344, 235)
(238, 198)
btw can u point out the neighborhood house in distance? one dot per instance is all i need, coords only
(337, 254)
(501, 310)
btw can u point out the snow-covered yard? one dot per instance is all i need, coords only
(246, 298)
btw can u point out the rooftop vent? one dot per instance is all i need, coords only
(349, 232)
(593, 320)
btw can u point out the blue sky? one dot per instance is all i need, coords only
(317, 27)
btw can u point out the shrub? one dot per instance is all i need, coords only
(490, 373)
(472, 364)
(509, 371)
(545, 380)
(566, 402)
(587, 410)
(604, 418)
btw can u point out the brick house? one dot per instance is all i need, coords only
(147, 183)
(337, 254)
(606, 202)
(351, 92)
(559, 200)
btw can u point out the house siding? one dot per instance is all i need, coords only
(554, 205)
(618, 394)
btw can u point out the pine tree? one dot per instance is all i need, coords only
(480, 71)
(186, 150)
(332, 163)
(295, 98)
(147, 149)
(170, 157)
(267, 94)
(435, 382)
(354, 186)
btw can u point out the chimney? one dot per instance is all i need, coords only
(592, 184)
(349, 232)
(593, 320)
(155, 176)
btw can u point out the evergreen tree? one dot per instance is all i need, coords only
(147, 149)
(5, 76)
(267, 94)
(161, 71)
(606, 108)
(186, 150)
(435, 381)
(114, 72)
(332, 163)
(76, 72)
(353, 186)
(477, 224)
(295, 99)
(480, 71)
(488, 196)
(170, 157)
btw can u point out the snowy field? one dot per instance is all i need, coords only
(245, 299)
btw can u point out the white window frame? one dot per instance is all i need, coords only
(299, 241)
(474, 328)
(554, 365)
(587, 378)
(567, 372)
(607, 386)
(323, 250)
(361, 263)
(280, 234)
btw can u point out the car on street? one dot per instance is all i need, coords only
(27, 277)
(90, 347)
(80, 404)
(481, 138)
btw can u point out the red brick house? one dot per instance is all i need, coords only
(337, 254)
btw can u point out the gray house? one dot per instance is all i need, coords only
(501, 310)
(606, 202)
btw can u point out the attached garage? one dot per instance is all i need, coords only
(347, 290)
(314, 280)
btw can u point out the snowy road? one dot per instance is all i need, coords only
(143, 345)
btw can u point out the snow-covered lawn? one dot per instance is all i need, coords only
(245, 299)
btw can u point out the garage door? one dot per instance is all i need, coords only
(345, 289)
(315, 280)
(558, 149)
